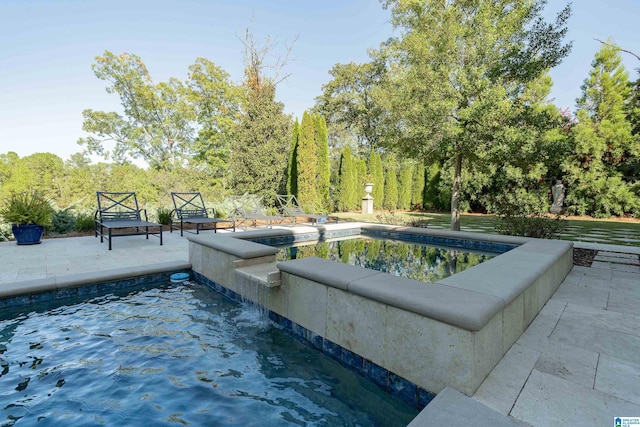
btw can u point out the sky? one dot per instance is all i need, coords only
(47, 48)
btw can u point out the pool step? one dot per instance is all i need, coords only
(264, 274)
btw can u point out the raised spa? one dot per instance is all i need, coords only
(420, 337)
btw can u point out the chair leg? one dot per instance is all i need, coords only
(160, 234)
(109, 239)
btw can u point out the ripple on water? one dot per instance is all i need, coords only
(171, 355)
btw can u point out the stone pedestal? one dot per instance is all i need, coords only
(367, 205)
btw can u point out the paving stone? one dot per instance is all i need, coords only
(568, 362)
(452, 408)
(588, 337)
(616, 260)
(618, 255)
(619, 378)
(547, 400)
(628, 323)
(582, 295)
(503, 385)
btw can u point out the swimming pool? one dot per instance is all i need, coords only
(173, 354)
(426, 263)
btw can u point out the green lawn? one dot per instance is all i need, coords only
(611, 232)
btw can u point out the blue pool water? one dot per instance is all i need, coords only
(174, 355)
(425, 263)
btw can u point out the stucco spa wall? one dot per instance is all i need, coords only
(451, 333)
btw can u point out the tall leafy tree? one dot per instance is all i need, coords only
(351, 101)
(158, 121)
(604, 143)
(307, 164)
(217, 107)
(459, 65)
(323, 170)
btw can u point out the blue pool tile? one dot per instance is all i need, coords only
(65, 293)
(332, 350)
(377, 374)
(106, 287)
(424, 397)
(42, 297)
(87, 290)
(316, 341)
(18, 301)
(298, 331)
(405, 390)
(353, 360)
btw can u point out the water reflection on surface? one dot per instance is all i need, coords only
(411, 260)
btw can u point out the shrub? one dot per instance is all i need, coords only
(27, 208)
(164, 216)
(62, 222)
(531, 226)
(84, 222)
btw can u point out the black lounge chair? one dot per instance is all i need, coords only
(248, 209)
(291, 208)
(190, 209)
(119, 211)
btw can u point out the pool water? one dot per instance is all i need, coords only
(174, 355)
(416, 261)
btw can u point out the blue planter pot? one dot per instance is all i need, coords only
(28, 234)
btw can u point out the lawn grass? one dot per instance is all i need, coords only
(617, 232)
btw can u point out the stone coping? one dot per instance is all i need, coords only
(231, 245)
(469, 299)
(510, 274)
(459, 307)
(76, 280)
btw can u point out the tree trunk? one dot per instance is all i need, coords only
(455, 193)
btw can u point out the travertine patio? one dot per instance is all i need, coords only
(578, 363)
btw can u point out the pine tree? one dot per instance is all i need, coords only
(307, 164)
(404, 192)
(347, 197)
(259, 158)
(417, 187)
(323, 180)
(292, 169)
(376, 171)
(603, 142)
(390, 185)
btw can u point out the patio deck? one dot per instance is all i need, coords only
(578, 363)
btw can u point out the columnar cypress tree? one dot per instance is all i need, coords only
(307, 164)
(406, 179)
(292, 169)
(418, 186)
(390, 186)
(323, 181)
(375, 167)
(361, 168)
(347, 182)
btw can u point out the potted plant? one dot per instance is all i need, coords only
(28, 213)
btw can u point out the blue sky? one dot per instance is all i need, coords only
(47, 48)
